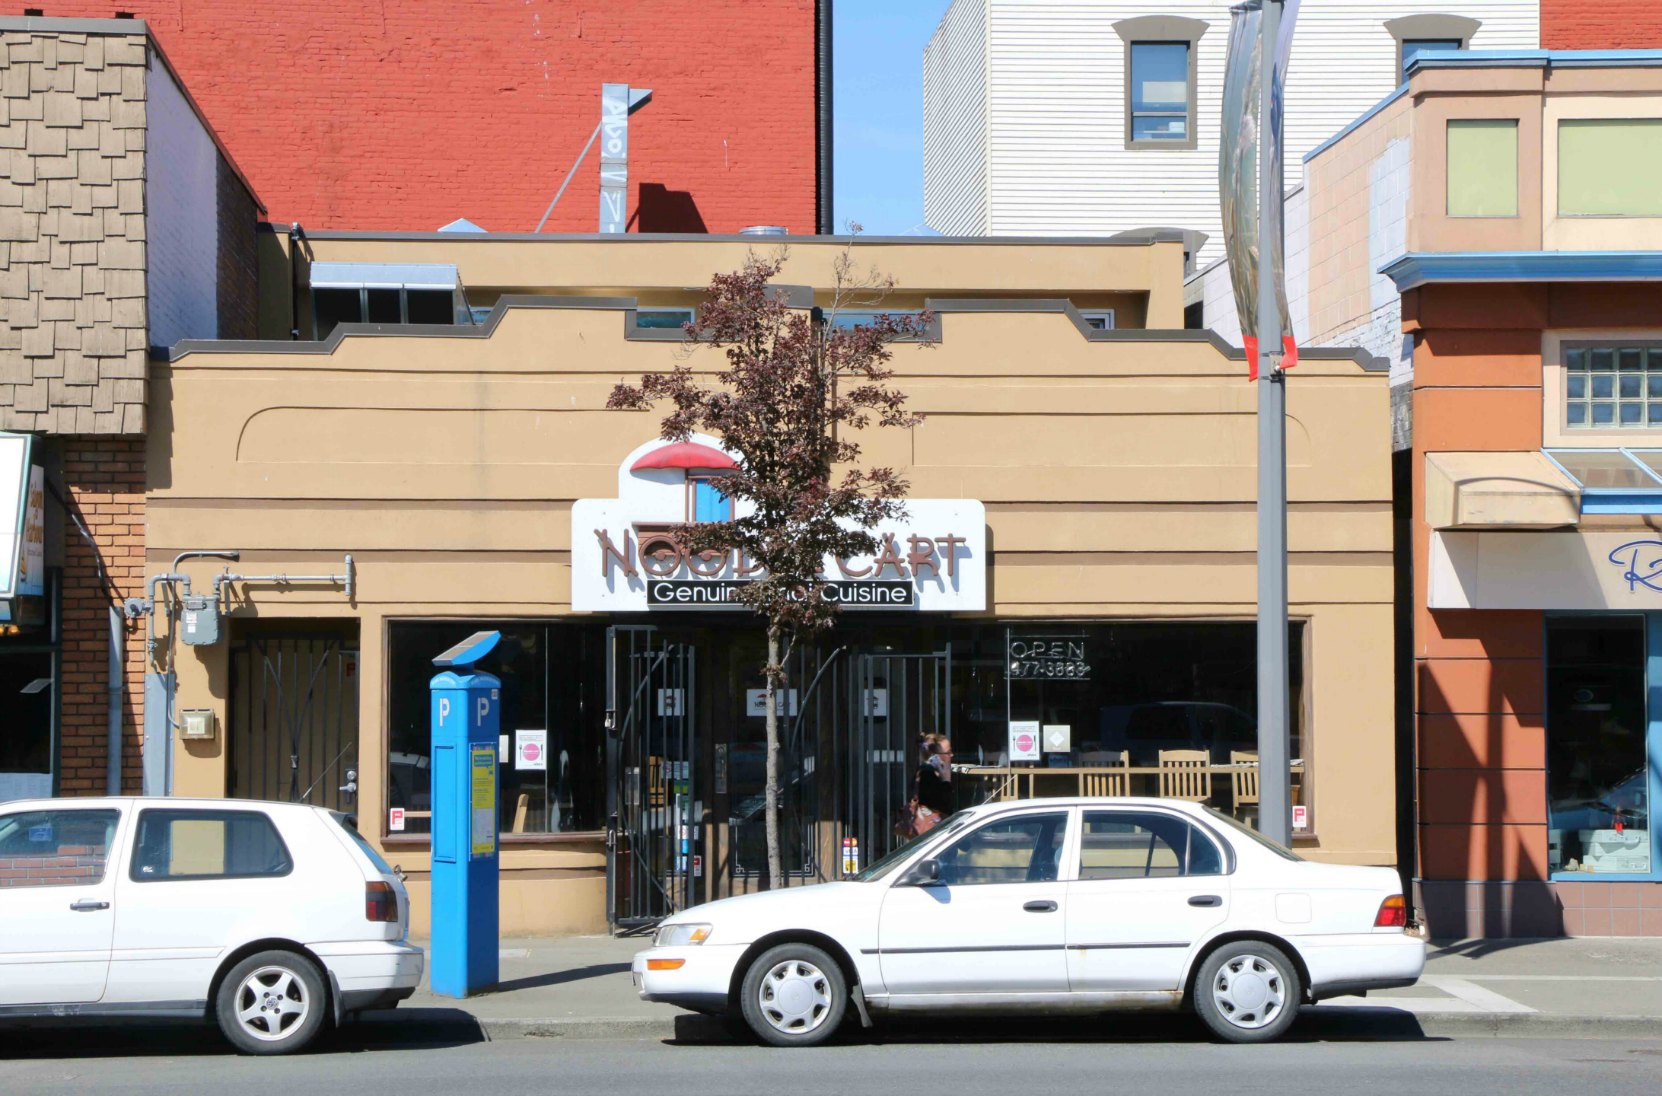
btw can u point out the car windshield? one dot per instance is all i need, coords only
(881, 867)
(1240, 827)
(348, 824)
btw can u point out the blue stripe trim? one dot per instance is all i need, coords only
(1604, 500)
(1421, 268)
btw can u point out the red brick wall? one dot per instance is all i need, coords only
(1601, 24)
(353, 115)
(104, 477)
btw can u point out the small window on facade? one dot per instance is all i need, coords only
(1413, 47)
(207, 845)
(1161, 104)
(663, 319)
(1483, 167)
(1098, 319)
(707, 503)
(1612, 387)
(57, 848)
(1608, 167)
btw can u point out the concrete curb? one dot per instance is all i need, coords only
(1365, 1023)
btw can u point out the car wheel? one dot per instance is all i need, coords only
(1248, 992)
(794, 995)
(273, 1002)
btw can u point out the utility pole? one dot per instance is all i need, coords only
(1275, 793)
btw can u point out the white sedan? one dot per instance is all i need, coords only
(269, 918)
(1056, 905)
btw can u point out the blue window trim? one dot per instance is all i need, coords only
(1653, 748)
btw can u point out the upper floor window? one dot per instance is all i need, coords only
(1160, 60)
(1482, 167)
(663, 319)
(1608, 167)
(1162, 98)
(1613, 386)
(1413, 47)
(1417, 34)
(1098, 319)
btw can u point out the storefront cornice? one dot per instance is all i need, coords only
(798, 297)
(1126, 239)
(1421, 268)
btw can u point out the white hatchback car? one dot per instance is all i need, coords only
(1058, 905)
(270, 918)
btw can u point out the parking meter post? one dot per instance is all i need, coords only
(466, 717)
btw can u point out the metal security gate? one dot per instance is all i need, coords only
(895, 699)
(293, 732)
(653, 830)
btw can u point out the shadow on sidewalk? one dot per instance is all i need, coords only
(559, 977)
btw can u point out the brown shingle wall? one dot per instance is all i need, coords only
(73, 338)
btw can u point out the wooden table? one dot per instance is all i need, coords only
(1010, 777)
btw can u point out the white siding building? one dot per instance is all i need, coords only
(1027, 104)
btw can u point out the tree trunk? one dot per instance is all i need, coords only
(776, 875)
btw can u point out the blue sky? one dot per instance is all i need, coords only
(877, 122)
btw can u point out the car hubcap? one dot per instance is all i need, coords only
(271, 1003)
(1249, 992)
(795, 997)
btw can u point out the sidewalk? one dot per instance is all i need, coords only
(579, 987)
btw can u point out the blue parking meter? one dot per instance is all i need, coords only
(467, 711)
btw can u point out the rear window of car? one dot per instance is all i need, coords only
(55, 848)
(207, 844)
(346, 823)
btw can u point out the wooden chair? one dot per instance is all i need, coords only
(1106, 783)
(1184, 774)
(1243, 782)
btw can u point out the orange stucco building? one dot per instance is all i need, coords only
(1501, 204)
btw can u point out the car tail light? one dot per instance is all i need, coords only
(380, 903)
(1393, 913)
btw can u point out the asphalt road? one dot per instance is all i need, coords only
(1168, 1058)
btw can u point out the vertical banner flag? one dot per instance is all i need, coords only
(1238, 171)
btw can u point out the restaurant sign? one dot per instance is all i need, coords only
(625, 557)
(22, 531)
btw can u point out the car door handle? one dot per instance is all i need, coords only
(87, 905)
(1040, 906)
(1206, 900)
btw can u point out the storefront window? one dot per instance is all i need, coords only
(1597, 769)
(26, 725)
(552, 759)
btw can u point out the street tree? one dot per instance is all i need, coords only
(798, 388)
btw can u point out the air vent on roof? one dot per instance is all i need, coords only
(765, 230)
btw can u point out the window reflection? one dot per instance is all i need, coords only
(1596, 724)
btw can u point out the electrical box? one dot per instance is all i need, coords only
(198, 723)
(199, 620)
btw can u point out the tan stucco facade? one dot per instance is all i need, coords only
(1117, 471)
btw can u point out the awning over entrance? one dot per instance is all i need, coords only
(1499, 491)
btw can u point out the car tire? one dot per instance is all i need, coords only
(273, 1002)
(794, 995)
(1248, 992)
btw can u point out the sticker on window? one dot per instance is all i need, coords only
(41, 834)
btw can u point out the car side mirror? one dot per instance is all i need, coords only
(925, 873)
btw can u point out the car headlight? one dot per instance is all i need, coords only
(681, 935)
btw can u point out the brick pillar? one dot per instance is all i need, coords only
(104, 478)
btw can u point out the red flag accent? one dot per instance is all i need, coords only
(1288, 347)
